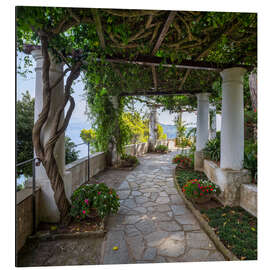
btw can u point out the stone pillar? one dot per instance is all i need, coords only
(115, 156)
(49, 211)
(213, 122)
(152, 128)
(232, 124)
(202, 128)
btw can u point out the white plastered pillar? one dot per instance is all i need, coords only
(213, 122)
(115, 156)
(49, 211)
(152, 128)
(202, 128)
(232, 123)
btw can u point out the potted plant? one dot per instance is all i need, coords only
(200, 191)
(183, 162)
(96, 200)
(129, 160)
(161, 149)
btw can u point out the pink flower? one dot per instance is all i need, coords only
(86, 201)
(83, 211)
(99, 193)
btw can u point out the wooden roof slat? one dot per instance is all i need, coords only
(98, 27)
(210, 45)
(164, 31)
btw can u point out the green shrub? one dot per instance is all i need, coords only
(90, 198)
(131, 160)
(198, 188)
(250, 158)
(236, 228)
(161, 148)
(212, 149)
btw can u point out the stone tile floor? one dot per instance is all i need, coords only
(153, 223)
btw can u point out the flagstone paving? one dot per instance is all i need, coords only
(153, 223)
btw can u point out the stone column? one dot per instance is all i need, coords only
(213, 122)
(202, 128)
(232, 124)
(115, 156)
(152, 128)
(231, 175)
(49, 211)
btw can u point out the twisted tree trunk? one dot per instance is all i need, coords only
(45, 150)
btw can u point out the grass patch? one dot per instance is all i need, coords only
(236, 228)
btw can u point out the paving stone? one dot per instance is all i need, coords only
(124, 186)
(186, 219)
(179, 209)
(154, 196)
(140, 209)
(157, 216)
(189, 227)
(116, 238)
(136, 245)
(176, 199)
(130, 203)
(216, 256)
(196, 255)
(132, 231)
(148, 204)
(163, 208)
(149, 190)
(199, 240)
(156, 238)
(149, 254)
(170, 226)
(136, 193)
(141, 199)
(172, 248)
(162, 200)
(146, 226)
(132, 219)
(123, 194)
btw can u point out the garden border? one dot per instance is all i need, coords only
(209, 231)
(56, 236)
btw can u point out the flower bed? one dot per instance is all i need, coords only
(182, 161)
(233, 226)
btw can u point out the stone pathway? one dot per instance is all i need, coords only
(153, 224)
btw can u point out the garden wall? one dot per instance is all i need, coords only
(24, 215)
(169, 142)
(235, 186)
(79, 168)
(137, 149)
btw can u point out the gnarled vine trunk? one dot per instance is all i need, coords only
(45, 150)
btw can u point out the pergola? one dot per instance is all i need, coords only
(175, 53)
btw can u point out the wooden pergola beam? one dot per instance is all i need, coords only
(211, 44)
(186, 64)
(98, 27)
(160, 93)
(164, 31)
